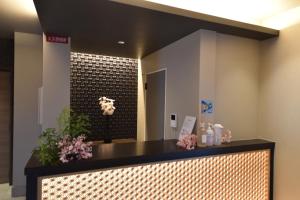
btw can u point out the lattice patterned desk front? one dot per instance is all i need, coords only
(243, 176)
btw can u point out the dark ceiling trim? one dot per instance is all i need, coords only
(96, 26)
(217, 23)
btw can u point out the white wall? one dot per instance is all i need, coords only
(37, 63)
(236, 85)
(207, 72)
(181, 59)
(141, 107)
(56, 81)
(280, 108)
(28, 64)
(219, 67)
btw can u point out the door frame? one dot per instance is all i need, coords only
(9, 67)
(12, 96)
(165, 109)
(11, 126)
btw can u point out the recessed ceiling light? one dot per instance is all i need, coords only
(121, 42)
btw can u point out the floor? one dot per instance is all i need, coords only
(5, 193)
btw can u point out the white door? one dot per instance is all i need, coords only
(155, 105)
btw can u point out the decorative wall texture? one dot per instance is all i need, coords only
(231, 176)
(93, 76)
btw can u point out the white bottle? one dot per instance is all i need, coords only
(202, 133)
(209, 136)
(218, 128)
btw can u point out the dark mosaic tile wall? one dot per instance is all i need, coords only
(93, 76)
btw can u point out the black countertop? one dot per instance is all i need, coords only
(116, 155)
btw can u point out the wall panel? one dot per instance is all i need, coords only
(93, 76)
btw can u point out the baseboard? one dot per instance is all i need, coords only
(18, 190)
(4, 180)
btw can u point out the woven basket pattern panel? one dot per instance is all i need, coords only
(94, 76)
(232, 176)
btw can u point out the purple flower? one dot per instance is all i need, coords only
(74, 148)
(187, 141)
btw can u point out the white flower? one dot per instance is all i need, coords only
(107, 105)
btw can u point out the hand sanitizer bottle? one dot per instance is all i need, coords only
(218, 128)
(201, 135)
(209, 136)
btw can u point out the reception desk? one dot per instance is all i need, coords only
(159, 170)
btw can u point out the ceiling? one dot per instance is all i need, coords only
(249, 11)
(18, 15)
(96, 26)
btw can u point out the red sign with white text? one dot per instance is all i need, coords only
(57, 39)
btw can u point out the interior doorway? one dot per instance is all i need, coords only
(5, 117)
(155, 104)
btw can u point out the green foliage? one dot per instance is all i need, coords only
(69, 123)
(47, 151)
(79, 124)
(63, 121)
(73, 124)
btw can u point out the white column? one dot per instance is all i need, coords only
(28, 61)
(56, 81)
(141, 111)
(207, 67)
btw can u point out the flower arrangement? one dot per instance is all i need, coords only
(107, 105)
(74, 148)
(66, 143)
(226, 136)
(187, 141)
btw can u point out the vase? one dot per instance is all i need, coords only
(107, 135)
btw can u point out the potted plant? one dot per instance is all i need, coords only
(66, 143)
